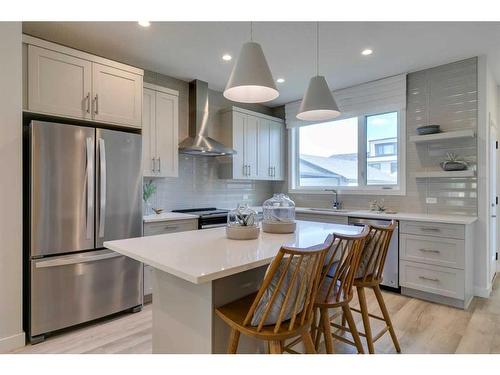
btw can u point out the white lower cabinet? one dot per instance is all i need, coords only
(160, 129)
(163, 227)
(436, 262)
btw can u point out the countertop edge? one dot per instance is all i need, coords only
(448, 219)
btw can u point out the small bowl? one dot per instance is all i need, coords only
(428, 129)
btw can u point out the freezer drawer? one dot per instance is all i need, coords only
(72, 289)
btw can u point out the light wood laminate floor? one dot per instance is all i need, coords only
(422, 327)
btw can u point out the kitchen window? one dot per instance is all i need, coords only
(358, 154)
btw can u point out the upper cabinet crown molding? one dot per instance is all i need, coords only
(31, 40)
(64, 82)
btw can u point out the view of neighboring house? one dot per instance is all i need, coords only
(342, 169)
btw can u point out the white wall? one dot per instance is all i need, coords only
(488, 106)
(11, 333)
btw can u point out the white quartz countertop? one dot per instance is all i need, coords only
(168, 216)
(450, 219)
(205, 255)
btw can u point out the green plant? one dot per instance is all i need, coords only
(148, 190)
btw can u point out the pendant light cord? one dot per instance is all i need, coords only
(317, 48)
(251, 31)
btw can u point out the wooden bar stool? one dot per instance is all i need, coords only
(336, 289)
(282, 308)
(369, 275)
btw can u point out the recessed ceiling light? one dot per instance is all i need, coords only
(227, 57)
(144, 23)
(280, 80)
(367, 52)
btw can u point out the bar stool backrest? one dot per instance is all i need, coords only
(289, 288)
(340, 267)
(374, 253)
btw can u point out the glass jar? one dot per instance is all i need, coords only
(279, 209)
(242, 216)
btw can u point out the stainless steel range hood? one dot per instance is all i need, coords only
(198, 142)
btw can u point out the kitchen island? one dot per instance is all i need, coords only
(197, 271)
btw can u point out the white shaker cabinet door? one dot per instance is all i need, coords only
(59, 84)
(277, 150)
(149, 163)
(167, 134)
(264, 149)
(239, 166)
(251, 146)
(117, 96)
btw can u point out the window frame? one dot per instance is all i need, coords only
(363, 187)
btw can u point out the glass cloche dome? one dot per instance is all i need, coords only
(242, 216)
(278, 209)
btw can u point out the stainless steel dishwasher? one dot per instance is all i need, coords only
(391, 269)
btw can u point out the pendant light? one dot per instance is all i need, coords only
(251, 80)
(318, 103)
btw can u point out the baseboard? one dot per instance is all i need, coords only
(10, 343)
(482, 292)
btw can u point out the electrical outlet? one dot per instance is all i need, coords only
(430, 200)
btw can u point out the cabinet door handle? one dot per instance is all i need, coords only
(244, 170)
(274, 171)
(153, 165)
(430, 251)
(159, 165)
(249, 170)
(88, 102)
(428, 278)
(96, 101)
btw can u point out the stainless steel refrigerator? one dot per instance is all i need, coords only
(85, 188)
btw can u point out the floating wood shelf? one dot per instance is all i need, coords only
(456, 134)
(445, 174)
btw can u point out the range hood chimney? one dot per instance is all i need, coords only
(198, 142)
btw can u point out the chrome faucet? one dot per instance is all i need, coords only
(336, 205)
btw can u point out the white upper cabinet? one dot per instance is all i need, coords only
(259, 144)
(251, 146)
(59, 84)
(149, 133)
(61, 81)
(160, 132)
(117, 96)
(277, 150)
(167, 134)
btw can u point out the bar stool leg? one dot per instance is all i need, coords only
(352, 328)
(308, 343)
(275, 347)
(366, 319)
(325, 325)
(234, 338)
(387, 318)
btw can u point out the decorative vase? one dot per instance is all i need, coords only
(242, 223)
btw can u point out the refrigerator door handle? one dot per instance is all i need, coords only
(90, 187)
(102, 188)
(64, 261)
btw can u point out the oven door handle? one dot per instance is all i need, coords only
(208, 226)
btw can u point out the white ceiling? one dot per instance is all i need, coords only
(188, 50)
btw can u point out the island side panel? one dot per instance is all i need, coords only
(182, 315)
(228, 289)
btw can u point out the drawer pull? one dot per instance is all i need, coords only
(430, 230)
(428, 279)
(171, 227)
(430, 251)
